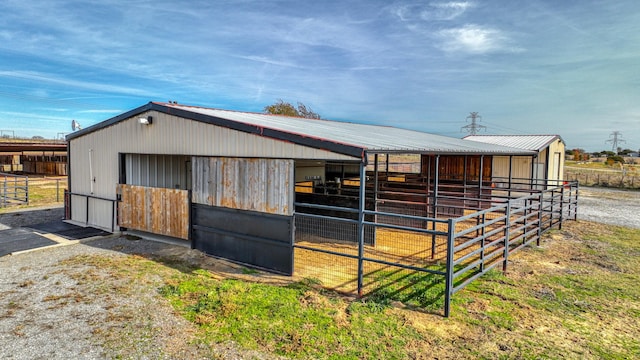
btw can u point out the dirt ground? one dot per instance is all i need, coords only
(51, 310)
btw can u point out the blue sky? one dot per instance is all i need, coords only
(528, 67)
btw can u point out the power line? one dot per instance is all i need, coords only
(617, 138)
(474, 126)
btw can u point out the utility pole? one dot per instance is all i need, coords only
(617, 138)
(474, 127)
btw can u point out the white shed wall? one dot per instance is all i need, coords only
(520, 167)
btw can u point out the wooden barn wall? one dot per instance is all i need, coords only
(262, 185)
(154, 210)
(453, 167)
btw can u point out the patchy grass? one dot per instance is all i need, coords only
(576, 297)
(631, 168)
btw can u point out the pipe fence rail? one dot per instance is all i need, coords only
(409, 255)
(14, 189)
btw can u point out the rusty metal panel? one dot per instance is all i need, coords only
(262, 185)
(155, 210)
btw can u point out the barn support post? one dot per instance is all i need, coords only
(435, 206)
(464, 183)
(575, 212)
(190, 222)
(375, 183)
(540, 218)
(361, 207)
(507, 223)
(386, 159)
(375, 193)
(510, 174)
(448, 291)
(561, 207)
(483, 242)
(533, 174)
(428, 183)
(480, 179)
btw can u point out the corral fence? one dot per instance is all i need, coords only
(423, 253)
(605, 179)
(14, 189)
(18, 190)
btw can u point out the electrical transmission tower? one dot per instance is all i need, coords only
(474, 127)
(617, 138)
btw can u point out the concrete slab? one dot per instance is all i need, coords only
(20, 239)
(56, 233)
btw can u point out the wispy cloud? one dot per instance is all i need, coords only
(78, 84)
(101, 111)
(439, 11)
(474, 39)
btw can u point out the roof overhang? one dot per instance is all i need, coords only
(307, 139)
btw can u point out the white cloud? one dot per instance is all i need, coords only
(474, 39)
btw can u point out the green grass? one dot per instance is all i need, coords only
(574, 297)
(295, 320)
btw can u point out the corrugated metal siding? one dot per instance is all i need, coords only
(168, 135)
(94, 166)
(160, 171)
(528, 142)
(556, 166)
(375, 138)
(520, 168)
(501, 168)
(172, 135)
(264, 185)
(340, 137)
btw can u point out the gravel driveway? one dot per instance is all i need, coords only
(609, 206)
(48, 312)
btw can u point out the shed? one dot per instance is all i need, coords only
(546, 165)
(230, 182)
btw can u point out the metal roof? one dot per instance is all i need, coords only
(527, 142)
(341, 137)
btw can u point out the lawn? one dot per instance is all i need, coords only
(575, 296)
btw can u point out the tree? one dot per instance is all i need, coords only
(615, 159)
(285, 108)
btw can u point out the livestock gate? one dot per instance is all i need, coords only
(419, 237)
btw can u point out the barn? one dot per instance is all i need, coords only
(339, 201)
(547, 163)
